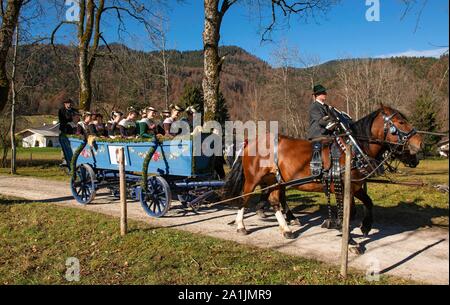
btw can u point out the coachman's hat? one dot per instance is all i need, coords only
(318, 89)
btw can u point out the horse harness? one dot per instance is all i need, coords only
(389, 127)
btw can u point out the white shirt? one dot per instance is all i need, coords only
(83, 125)
(127, 123)
(168, 120)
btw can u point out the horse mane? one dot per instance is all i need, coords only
(362, 128)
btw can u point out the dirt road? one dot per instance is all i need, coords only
(421, 254)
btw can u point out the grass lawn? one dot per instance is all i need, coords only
(37, 238)
(42, 162)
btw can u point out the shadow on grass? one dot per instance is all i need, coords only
(6, 201)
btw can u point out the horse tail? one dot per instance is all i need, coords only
(234, 181)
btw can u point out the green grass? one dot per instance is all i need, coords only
(37, 238)
(42, 162)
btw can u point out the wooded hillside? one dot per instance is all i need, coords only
(251, 87)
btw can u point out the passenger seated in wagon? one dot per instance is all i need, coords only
(175, 114)
(113, 130)
(99, 128)
(83, 126)
(71, 127)
(127, 127)
(148, 126)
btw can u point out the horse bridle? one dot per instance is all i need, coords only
(389, 127)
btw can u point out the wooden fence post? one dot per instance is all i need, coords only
(123, 191)
(347, 203)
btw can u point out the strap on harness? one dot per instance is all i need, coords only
(275, 157)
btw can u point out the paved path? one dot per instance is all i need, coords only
(421, 254)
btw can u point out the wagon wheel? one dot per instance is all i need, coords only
(83, 184)
(156, 200)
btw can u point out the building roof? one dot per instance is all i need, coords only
(443, 142)
(51, 130)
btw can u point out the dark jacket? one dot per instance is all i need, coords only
(317, 124)
(65, 117)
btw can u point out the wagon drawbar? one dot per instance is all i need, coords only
(156, 171)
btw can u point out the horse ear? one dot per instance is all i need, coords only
(384, 107)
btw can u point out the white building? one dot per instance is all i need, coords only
(443, 147)
(45, 136)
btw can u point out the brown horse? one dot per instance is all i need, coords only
(376, 133)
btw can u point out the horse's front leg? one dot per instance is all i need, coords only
(367, 221)
(263, 202)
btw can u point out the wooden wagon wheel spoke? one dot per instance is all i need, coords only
(83, 184)
(156, 199)
(158, 206)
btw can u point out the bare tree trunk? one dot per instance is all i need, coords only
(211, 37)
(9, 21)
(286, 102)
(13, 104)
(85, 81)
(166, 75)
(85, 28)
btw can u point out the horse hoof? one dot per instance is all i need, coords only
(242, 231)
(288, 235)
(295, 222)
(365, 230)
(261, 214)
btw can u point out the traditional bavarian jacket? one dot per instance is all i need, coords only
(112, 128)
(317, 111)
(100, 130)
(127, 128)
(71, 128)
(147, 128)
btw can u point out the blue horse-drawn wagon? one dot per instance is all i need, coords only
(156, 171)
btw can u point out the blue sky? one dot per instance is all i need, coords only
(343, 32)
